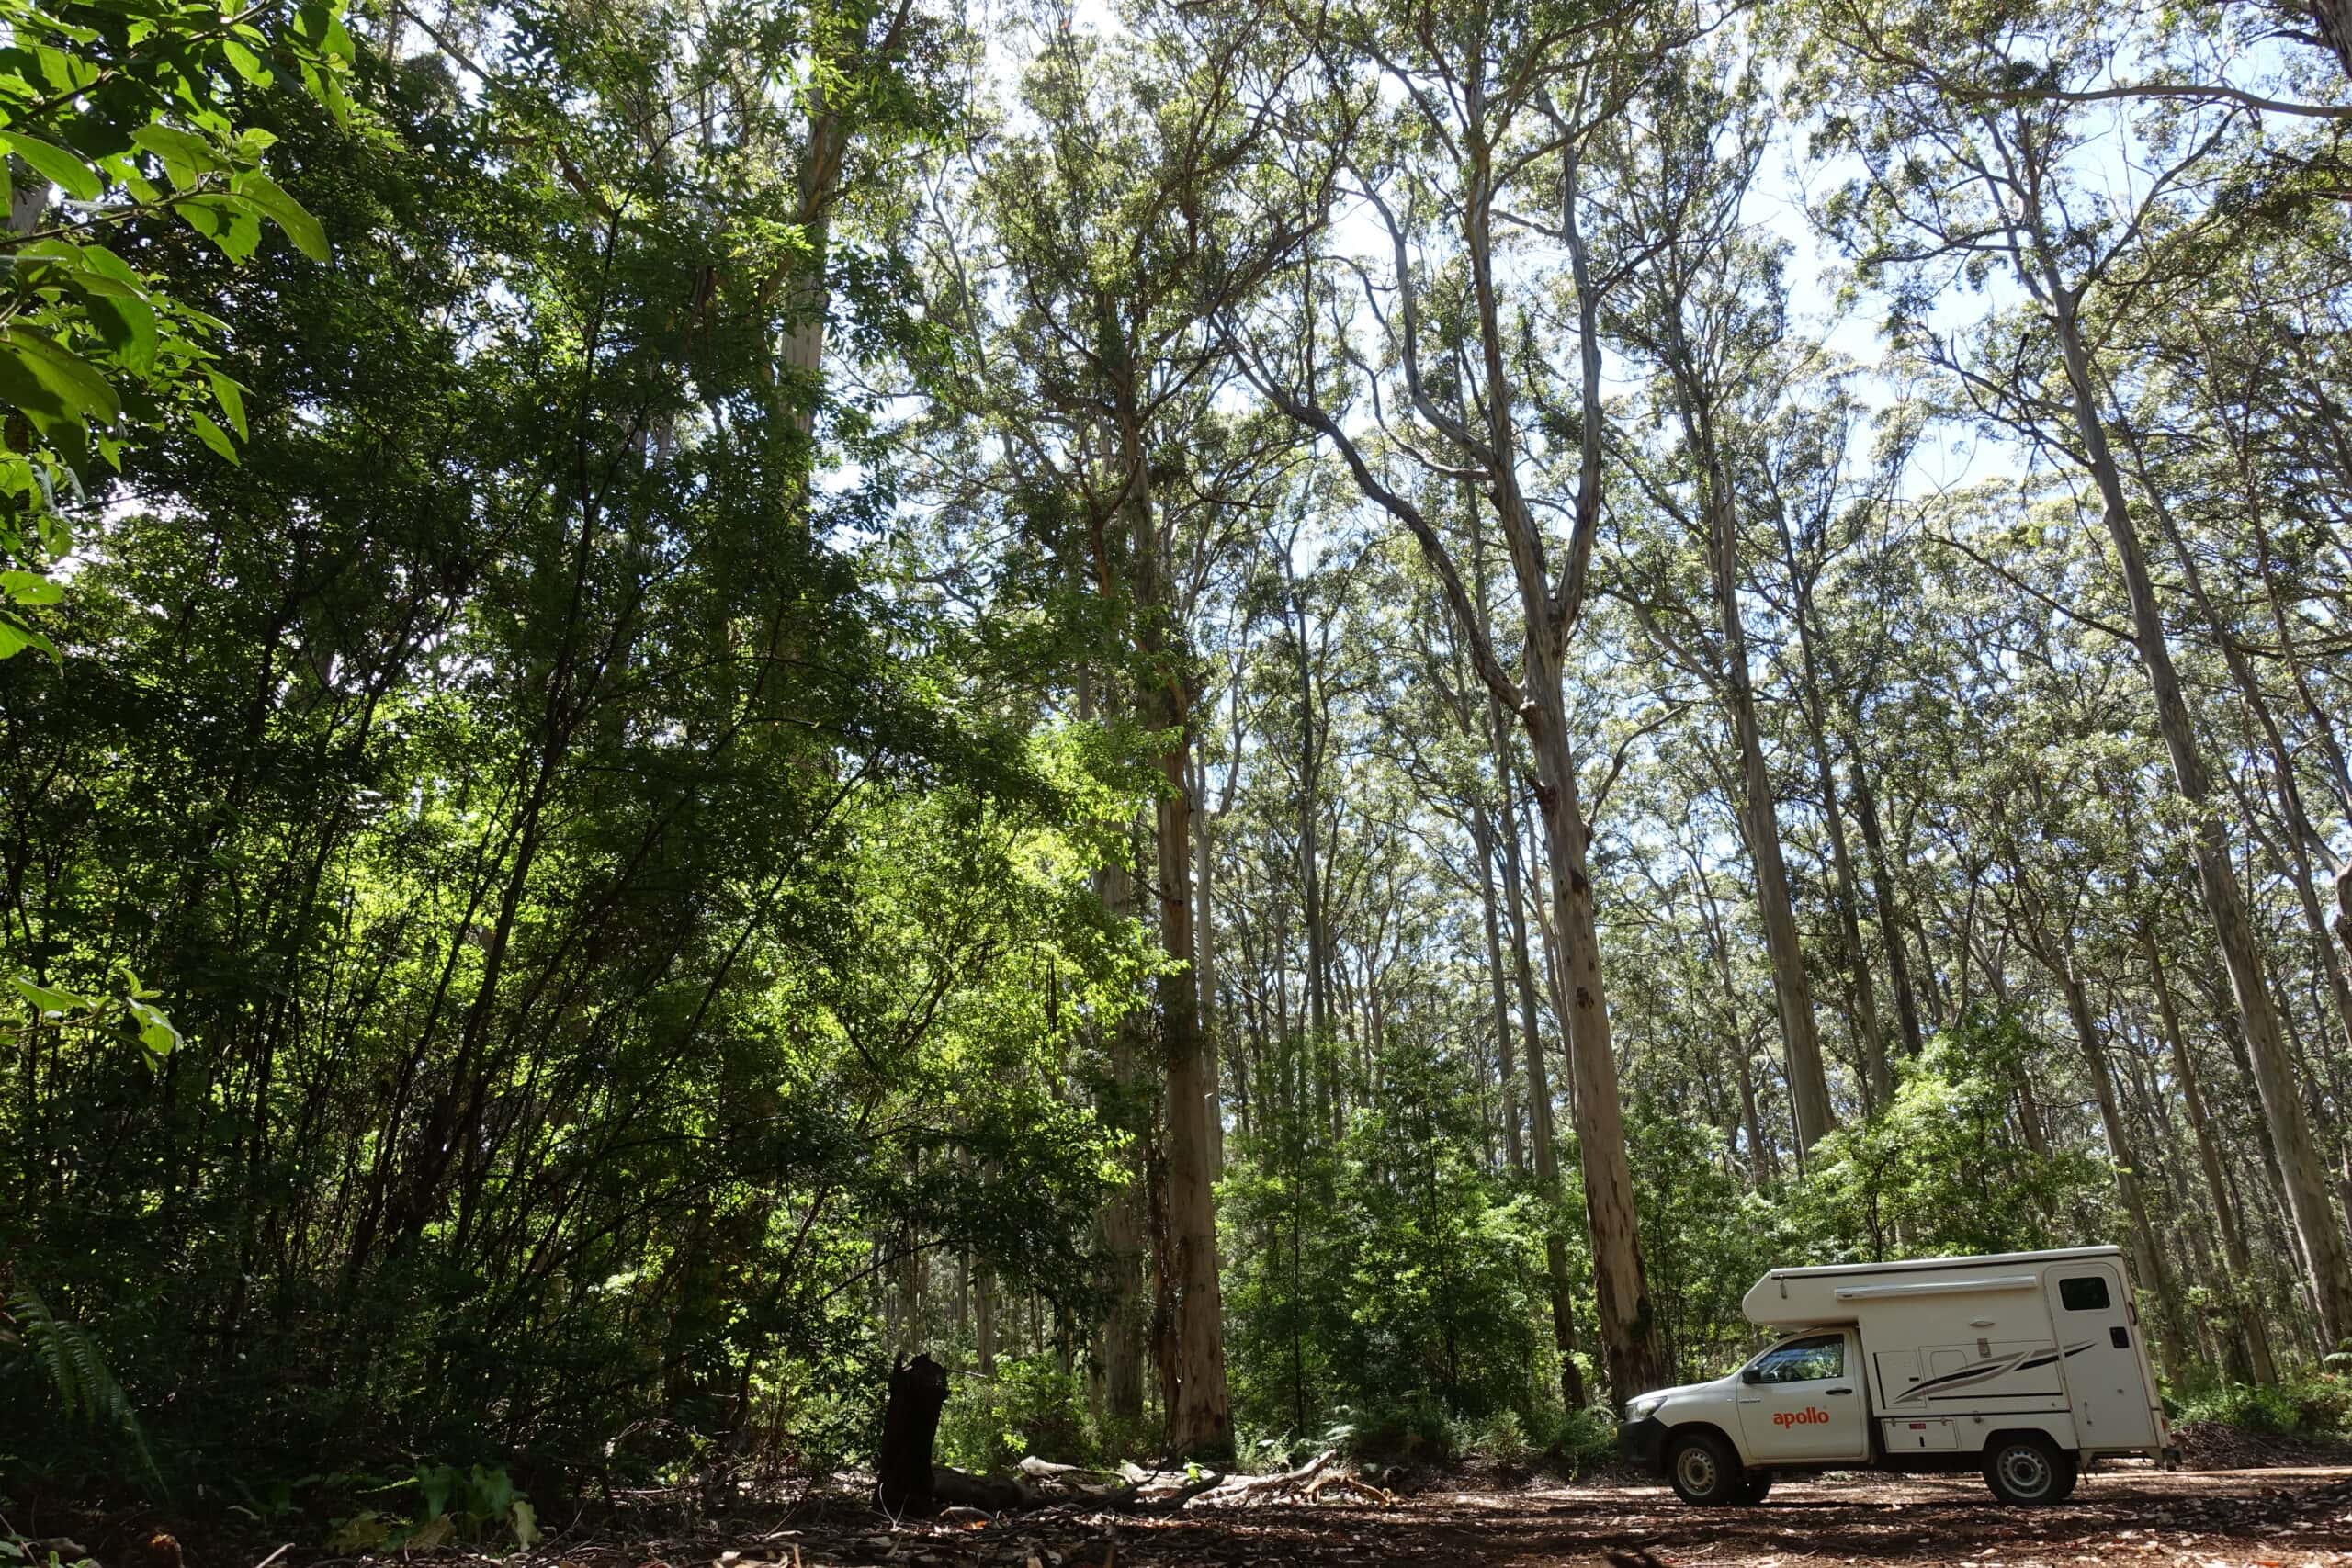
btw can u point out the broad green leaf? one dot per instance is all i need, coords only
(214, 436)
(178, 147)
(30, 587)
(229, 223)
(232, 397)
(360, 1532)
(100, 259)
(46, 998)
(526, 1520)
(65, 170)
(15, 637)
(128, 328)
(246, 63)
(39, 375)
(66, 72)
(156, 1035)
(432, 1533)
(286, 213)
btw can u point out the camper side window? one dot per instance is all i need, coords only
(1804, 1361)
(2088, 1293)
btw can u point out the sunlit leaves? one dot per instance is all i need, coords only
(92, 354)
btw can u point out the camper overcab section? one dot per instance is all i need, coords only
(2024, 1365)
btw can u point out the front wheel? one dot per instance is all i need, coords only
(2026, 1470)
(1753, 1487)
(1702, 1470)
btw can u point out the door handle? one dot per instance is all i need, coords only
(1836, 1391)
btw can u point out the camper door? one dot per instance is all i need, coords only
(2090, 1309)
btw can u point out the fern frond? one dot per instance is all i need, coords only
(86, 1387)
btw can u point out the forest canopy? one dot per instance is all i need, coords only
(1253, 718)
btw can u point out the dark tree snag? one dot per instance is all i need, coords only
(909, 1426)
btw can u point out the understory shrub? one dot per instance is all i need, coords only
(1031, 1406)
(2312, 1405)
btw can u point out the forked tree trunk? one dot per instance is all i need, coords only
(1868, 1028)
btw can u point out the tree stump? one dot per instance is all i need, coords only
(909, 1426)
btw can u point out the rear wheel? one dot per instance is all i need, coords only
(1702, 1470)
(2027, 1470)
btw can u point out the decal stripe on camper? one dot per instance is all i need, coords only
(1980, 1371)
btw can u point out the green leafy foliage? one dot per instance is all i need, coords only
(1944, 1168)
(1030, 1406)
(2318, 1404)
(118, 114)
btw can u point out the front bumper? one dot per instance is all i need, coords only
(1642, 1442)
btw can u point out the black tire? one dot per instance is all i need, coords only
(1754, 1486)
(2025, 1469)
(1702, 1470)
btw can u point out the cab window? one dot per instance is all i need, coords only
(1804, 1361)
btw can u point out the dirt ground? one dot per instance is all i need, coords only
(2122, 1518)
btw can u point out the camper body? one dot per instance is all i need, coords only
(2024, 1365)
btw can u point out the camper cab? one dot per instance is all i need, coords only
(2025, 1365)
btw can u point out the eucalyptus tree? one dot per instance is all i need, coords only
(1966, 173)
(1705, 307)
(1121, 216)
(1476, 141)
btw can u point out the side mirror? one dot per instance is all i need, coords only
(1749, 1374)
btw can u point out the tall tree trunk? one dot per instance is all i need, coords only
(1539, 1121)
(2154, 1271)
(1318, 944)
(1538, 1085)
(1792, 990)
(2322, 1236)
(984, 1320)
(1204, 969)
(1200, 1419)
(1482, 833)
(1869, 1031)
(1890, 924)
(2247, 1317)
(1119, 1222)
(2300, 835)
(1629, 1334)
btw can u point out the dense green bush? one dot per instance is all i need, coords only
(1031, 1406)
(2312, 1405)
(1584, 1441)
(1391, 1277)
(1418, 1428)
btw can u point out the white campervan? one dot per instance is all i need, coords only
(2026, 1364)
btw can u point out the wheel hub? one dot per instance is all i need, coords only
(2026, 1471)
